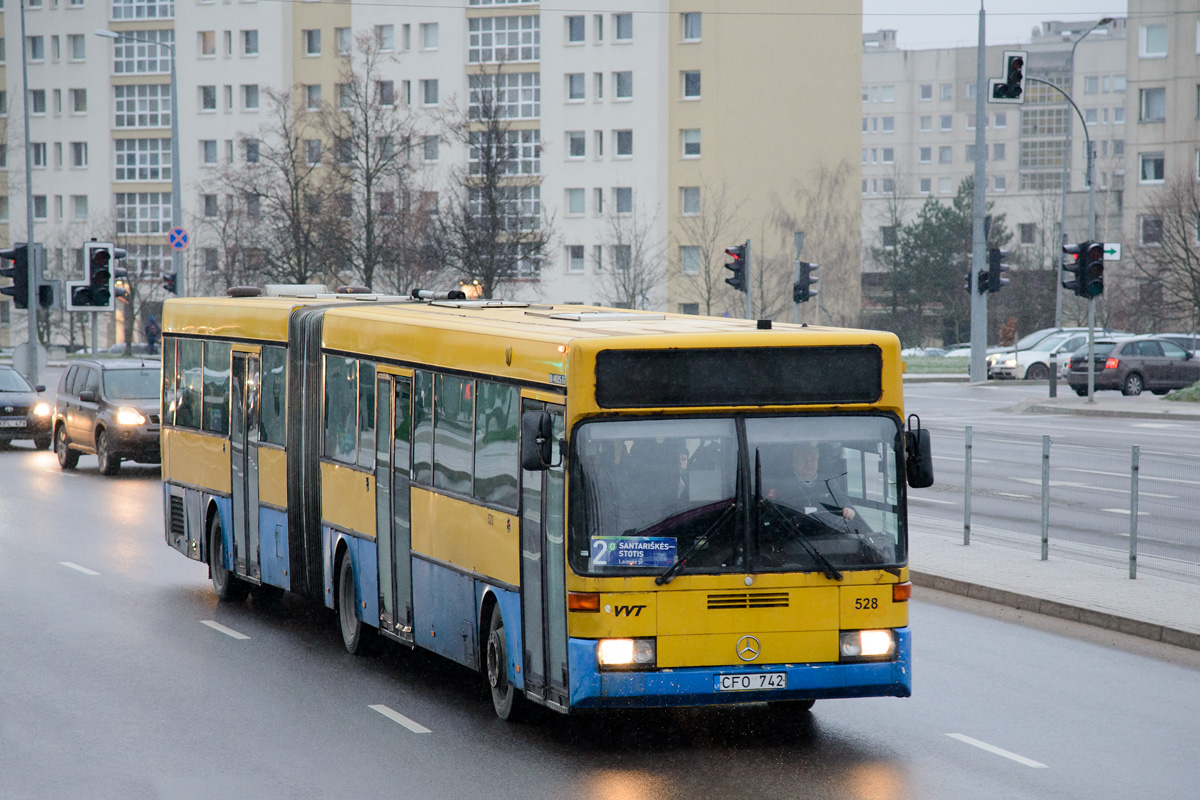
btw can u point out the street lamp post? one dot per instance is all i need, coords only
(176, 193)
(1062, 224)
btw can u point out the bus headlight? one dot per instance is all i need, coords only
(41, 410)
(129, 416)
(867, 645)
(626, 653)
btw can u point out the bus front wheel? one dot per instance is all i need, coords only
(356, 634)
(506, 699)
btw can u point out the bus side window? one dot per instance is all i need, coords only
(422, 443)
(167, 401)
(341, 400)
(189, 364)
(453, 433)
(272, 419)
(216, 386)
(366, 414)
(497, 426)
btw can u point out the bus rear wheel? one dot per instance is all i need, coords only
(509, 703)
(356, 635)
(228, 586)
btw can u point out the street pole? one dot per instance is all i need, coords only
(32, 296)
(978, 236)
(749, 282)
(1091, 160)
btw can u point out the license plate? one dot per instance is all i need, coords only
(751, 682)
(12, 423)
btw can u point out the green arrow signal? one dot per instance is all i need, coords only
(1110, 251)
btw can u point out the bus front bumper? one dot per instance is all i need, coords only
(696, 686)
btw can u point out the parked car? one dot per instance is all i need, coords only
(108, 407)
(24, 414)
(1134, 364)
(1032, 362)
(1188, 341)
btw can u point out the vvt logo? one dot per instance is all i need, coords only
(628, 611)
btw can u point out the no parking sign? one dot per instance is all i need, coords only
(178, 238)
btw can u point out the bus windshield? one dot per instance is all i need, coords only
(821, 491)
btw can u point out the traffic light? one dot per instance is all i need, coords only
(738, 266)
(18, 254)
(98, 291)
(168, 282)
(1072, 263)
(1093, 269)
(983, 281)
(996, 268)
(1011, 87)
(803, 289)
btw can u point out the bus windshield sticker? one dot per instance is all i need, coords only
(633, 551)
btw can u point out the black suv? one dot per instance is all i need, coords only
(23, 412)
(110, 408)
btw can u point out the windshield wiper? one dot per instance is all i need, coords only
(761, 502)
(700, 543)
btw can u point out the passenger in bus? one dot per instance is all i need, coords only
(805, 488)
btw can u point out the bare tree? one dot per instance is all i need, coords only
(1172, 267)
(884, 253)
(697, 266)
(635, 273)
(489, 229)
(372, 135)
(825, 206)
(281, 207)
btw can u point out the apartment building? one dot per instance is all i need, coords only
(918, 136)
(647, 118)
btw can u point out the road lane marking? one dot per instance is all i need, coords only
(397, 717)
(962, 458)
(84, 570)
(1014, 495)
(1124, 511)
(913, 497)
(991, 748)
(1144, 477)
(216, 626)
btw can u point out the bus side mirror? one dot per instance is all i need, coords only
(536, 440)
(918, 455)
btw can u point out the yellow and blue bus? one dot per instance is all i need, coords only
(595, 508)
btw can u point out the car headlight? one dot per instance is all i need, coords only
(129, 416)
(1010, 362)
(867, 645)
(41, 410)
(626, 653)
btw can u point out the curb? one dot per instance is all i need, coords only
(1024, 602)
(1098, 412)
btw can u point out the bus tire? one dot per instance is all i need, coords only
(356, 634)
(229, 587)
(509, 703)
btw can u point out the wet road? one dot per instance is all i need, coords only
(122, 677)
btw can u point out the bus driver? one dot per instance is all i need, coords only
(804, 490)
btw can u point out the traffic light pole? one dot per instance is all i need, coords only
(32, 308)
(749, 297)
(978, 367)
(1091, 160)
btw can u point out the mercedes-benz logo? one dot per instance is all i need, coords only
(748, 648)
(8, 409)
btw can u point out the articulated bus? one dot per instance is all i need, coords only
(594, 508)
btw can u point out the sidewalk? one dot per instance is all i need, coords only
(1077, 582)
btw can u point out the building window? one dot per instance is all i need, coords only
(945, 155)
(429, 36)
(998, 151)
(520, 152)
(37, 47)
(598, 209)
(208, 152)
(312, 42)
(386, 92)
(429, 91)
(1152, 41)
(312, 97)
(925, 185)
(385, 37)
(689, 259)
(38, 150)
(1152, 168)
(925, 91)
(999, 183)
(624, 142)
(138, 9)
(689, 205)
(210, 205)
(143, 212)
(1150, 230)
(251, 150)
(624, 26)
(576, 144)
(1028, 232)
(888, 124)
(622, 257)
(208, 98)
(506, 40)
(691, 84)
(1153, 104)
(250, 96)
(41, 208)
(1091, 84)
(575, 87)
(947, 91)
(691, 26)
(37, 101)
(206, 44)
(575, 257)
(623, 82)
(515, 95)
(1001, 119)
(312, 152)
(143, 105)
(575, 32)
(429, 148)
(623, 199)
(250, 43)
(691, 142)
(924, 155)
(926, 123)
(575, 202)
(947, 122)
(142, 159)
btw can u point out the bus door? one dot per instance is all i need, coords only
(243, 436)
(543, 572)
(392, 464)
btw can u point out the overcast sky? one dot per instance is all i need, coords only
(948, 23)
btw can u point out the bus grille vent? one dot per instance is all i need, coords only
(748, 600)
(177, 526)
